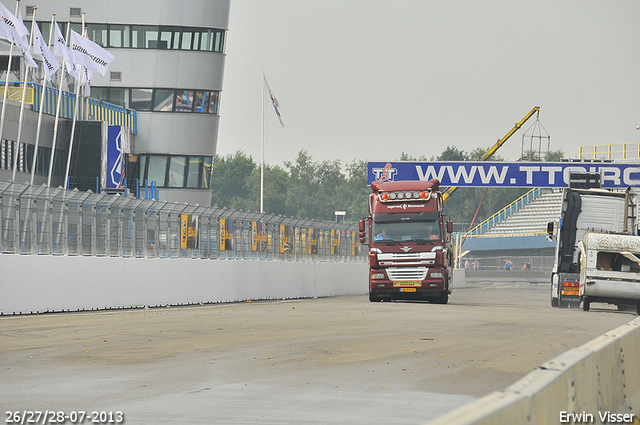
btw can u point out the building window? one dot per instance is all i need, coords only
(157, 169)
(176, 171)
(144, 37)
(207, 175)
(160, 100)
(163, 100)
(98, 34)
(119, 36)
(151, 36)
(141, 99)
(184, 101)
(194, 171)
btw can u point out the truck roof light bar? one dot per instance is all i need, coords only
(402, 196)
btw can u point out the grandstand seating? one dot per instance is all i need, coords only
(532, 218)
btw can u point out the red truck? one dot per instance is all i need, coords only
(410, 252)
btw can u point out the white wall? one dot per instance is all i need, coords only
(31, 283)
(601, 376)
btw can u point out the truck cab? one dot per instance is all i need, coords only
(409, 242)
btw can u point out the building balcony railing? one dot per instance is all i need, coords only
(91, 109)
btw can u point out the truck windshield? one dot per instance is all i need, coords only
(419, 227)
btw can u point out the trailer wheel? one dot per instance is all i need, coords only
(586, 304)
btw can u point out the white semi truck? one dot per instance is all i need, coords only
(586, 211)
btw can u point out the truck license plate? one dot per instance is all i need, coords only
(401, 283)
(407, 289)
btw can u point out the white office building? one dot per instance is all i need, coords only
(168, 68)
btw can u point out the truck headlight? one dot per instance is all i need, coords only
(436, 274)
(377, 275)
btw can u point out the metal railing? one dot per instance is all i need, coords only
(613, 151)
(91, 109)
(54, 221)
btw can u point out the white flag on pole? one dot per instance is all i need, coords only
(89, 54)
(51, 64)
(85, 80)
(60, 48)
(274, 102)
(13, 30)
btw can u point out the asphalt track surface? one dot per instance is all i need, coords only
(340, 360)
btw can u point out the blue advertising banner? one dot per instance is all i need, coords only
(117, 147)
(504, 174)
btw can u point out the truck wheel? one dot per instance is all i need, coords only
(638, 309)
(554, 302)
(586, 304)
(442, 299)
(373, 298)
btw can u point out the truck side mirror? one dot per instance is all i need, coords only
(449, 226)
(362, 231)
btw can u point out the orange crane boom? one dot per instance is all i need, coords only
(489, 153)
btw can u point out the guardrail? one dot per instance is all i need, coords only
(54, 221)
(598, 382)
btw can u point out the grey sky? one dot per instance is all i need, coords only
(369, 79)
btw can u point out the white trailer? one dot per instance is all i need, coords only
(610, 270)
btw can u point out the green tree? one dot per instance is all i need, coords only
(554, 156)
(313, 187)
(451, 153)
(355, 192)
(230, 179)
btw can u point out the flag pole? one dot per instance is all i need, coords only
(57, 120)
(73, 124)
(6, 82)
(44, 88)
(24, 93)
(262, 152)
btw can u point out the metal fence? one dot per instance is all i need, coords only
(54, 221)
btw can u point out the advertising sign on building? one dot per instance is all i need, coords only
(117, 146)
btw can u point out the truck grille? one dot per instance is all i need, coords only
(407, 256)
(412, 258)
(407, 273)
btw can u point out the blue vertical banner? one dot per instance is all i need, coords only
(118, 145)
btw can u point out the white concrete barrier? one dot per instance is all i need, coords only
(596, 383)
(32, 283)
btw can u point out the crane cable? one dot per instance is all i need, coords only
(474, 217)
